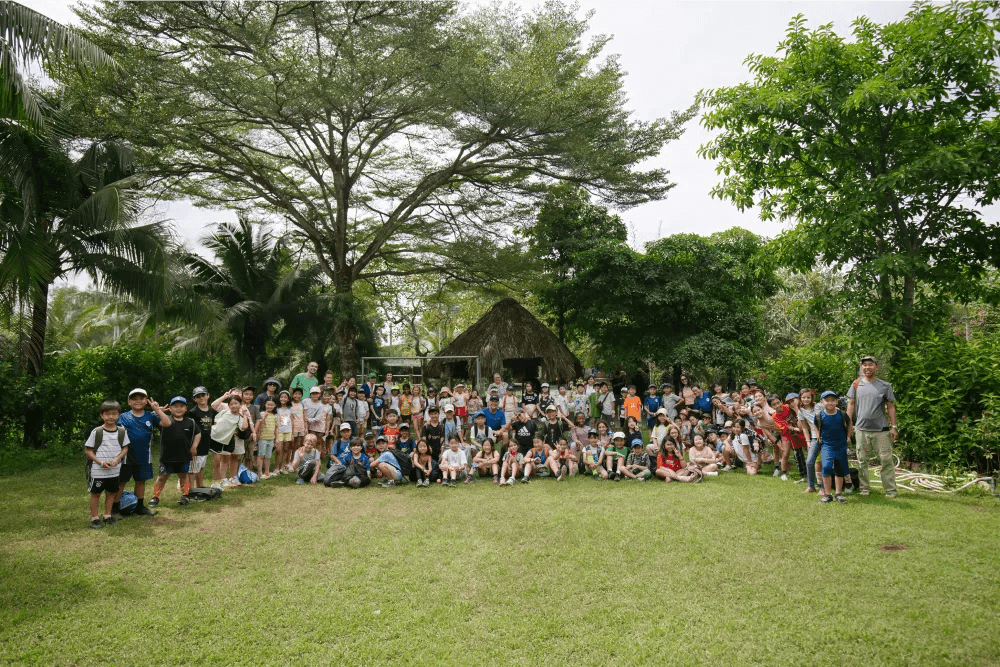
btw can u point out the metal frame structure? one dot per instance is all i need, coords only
(423, 361)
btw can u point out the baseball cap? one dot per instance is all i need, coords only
(198, 391)
(404, 427)
(545, 384)
(137, 390)
(592, 431)
(449, 408)
(661, 411)
(494, 398)
(550, 407)
(381, 438)
(791, 396)
(372, 375)
(369, 434)
(315, 390)
(433, 408)
(459, 385)
(345, 427)
(637, 442)
(728, 424)
(828, 393)
(870, 358)
(178, 399)
(618, 434)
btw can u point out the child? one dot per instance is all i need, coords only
(723, 448)
(508, 403)
(535, 459)
(670, 466)
(138, 465)
(592, 455)
(178, 444)
(782, 412)
(633, 405)
(370, 449)
(511, 464)
(386, 466)
(834, 429)
(393, 403)
(391, 429)
(452, 425)
(487, 461)
(460, 399)
(267, 430)
(453, 463)
(378, 406)
(229, 430)
(614, 457)
(342, 447)
(637, 464)
(632, 429)
(307, 460)
(405, 404)
(703, 456)
(204, 415)
(545, 400)
(405, 443)
(350, 410)
(740, 442)
(423, 464)
(283, 442)
(298, 427)
(332, 422)
(650, 406)
(479, 432)
(417, 405)
(622, 410)
(430, 402)
(318, 415)
(106, 446)
(356, 455)
(561, 401)
(658, 432)
(529, 401)
(563, 460)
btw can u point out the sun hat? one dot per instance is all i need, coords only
(549, 407)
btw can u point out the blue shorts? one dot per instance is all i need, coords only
(140, 472)
(835, 461)
(650, 422)
(175, 468)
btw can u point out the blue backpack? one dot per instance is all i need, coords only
(246, 476)
(128, 503)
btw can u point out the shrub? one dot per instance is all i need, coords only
(808, 366)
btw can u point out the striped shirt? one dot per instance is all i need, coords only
(107, 451)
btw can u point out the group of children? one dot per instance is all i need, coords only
(343, 436)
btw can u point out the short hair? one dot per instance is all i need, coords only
(109, 405)
(356, 442)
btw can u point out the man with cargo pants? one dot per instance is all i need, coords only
(870, 399)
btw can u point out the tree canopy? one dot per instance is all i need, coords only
(879, 148)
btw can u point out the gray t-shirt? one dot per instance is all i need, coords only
(670, 401)
(870, 399)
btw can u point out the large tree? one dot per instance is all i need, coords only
(395, 136)
(879, 147)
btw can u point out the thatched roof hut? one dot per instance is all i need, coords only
(508, 337)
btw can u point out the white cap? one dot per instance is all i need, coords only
(137, 390)
(728, 424)
(618, 434)
(345, 427)
(448, 407)
(545, 384)
(661, 411)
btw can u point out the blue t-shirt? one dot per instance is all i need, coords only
(386, 457)
(140, 434)
(406, 446)
(362, 459)
(652, 403)
(831, 429)
(341, 448)
(703, 403)
(378, 405)
(495, 420)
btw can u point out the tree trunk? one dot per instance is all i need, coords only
(346, 333)
(677, 379)
(34, 358)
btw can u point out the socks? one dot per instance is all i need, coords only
(185, 488)
(140, 503)
(116, 507)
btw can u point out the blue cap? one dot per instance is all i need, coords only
(828, 393)
(791, 396)
(178, 399)
(637, 442)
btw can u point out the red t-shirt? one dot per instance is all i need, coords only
(671, 462)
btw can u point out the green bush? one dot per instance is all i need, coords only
(808, 366)
(948, 396)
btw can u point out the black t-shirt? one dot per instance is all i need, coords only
(175, 440)
(524, 433)
(434, 435)
(551, 432)
(204, 419)
(529, 399)
(544, 402)
(630, 436)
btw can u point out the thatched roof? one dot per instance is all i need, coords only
(509, 331)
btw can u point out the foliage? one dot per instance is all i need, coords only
(687, 301)
(946, 389)
(809, 365)
(27, 36)
(394, 136)
(878, 147)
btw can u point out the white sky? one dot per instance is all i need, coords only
(670, 50)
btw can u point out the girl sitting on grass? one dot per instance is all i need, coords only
(487, 461)
(703, 456)
(423, 463)
(511, 464)
(670, 465)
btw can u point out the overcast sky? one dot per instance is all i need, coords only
(670, 51)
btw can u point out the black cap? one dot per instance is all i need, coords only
(369, 434)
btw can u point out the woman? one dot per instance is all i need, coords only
(687, 393)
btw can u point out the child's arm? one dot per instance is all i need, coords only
(194, 442)
(158, 409)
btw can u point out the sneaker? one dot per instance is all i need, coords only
(840, 498)
(848, 490)
(784, 477)
(452, 483)
(234, 482)
(218, 486)
(525, 480)
(300, 481)
(503, 481)
(826, 499)
(864, 493)
(95, 524)
(144, 511)
(777, 472)
(727, 468)
(154, 501)
(184, 500)
(116, 517)
(800, 480)
(224, 484)
(111, 520)
(468, 480)
(890, 495)
(496, 479)
(640, 479)
(712, 474)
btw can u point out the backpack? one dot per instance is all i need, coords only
(97, 445)
(845, 420)
(333, 474)
(128, 503)
(405, 464)
(246, 476)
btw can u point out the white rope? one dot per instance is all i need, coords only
(928, 482)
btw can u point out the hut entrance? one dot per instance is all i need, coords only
(523, 369)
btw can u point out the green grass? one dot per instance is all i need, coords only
(735, 570)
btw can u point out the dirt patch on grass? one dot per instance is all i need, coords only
(892, 547)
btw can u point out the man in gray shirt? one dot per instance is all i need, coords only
(869, 399)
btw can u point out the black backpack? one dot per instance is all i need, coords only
(845, 420)
(405, 464)
(98, 441)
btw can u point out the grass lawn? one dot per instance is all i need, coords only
(735, 570)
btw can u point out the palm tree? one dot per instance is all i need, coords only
(253, 281)
(61, 216)
(25, 36)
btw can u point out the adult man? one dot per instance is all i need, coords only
(869, 398)
(369, 387)
(498, 388)
(306, 381)
(495, 418)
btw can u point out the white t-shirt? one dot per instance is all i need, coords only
(739, 442)
(284, 420)
(108, 451)
(454, 458)
(810, 417)
(562, 404)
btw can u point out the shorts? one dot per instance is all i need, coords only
(396, 475)
(105, 484)
(174, 467)
(218, 448)
(197, 464)
(835, 461)
(140, 472)
(285, 437)
(264, 448)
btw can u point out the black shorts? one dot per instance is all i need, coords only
(219, 448)
(104, 484)
(174, 467)
(140, 472)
